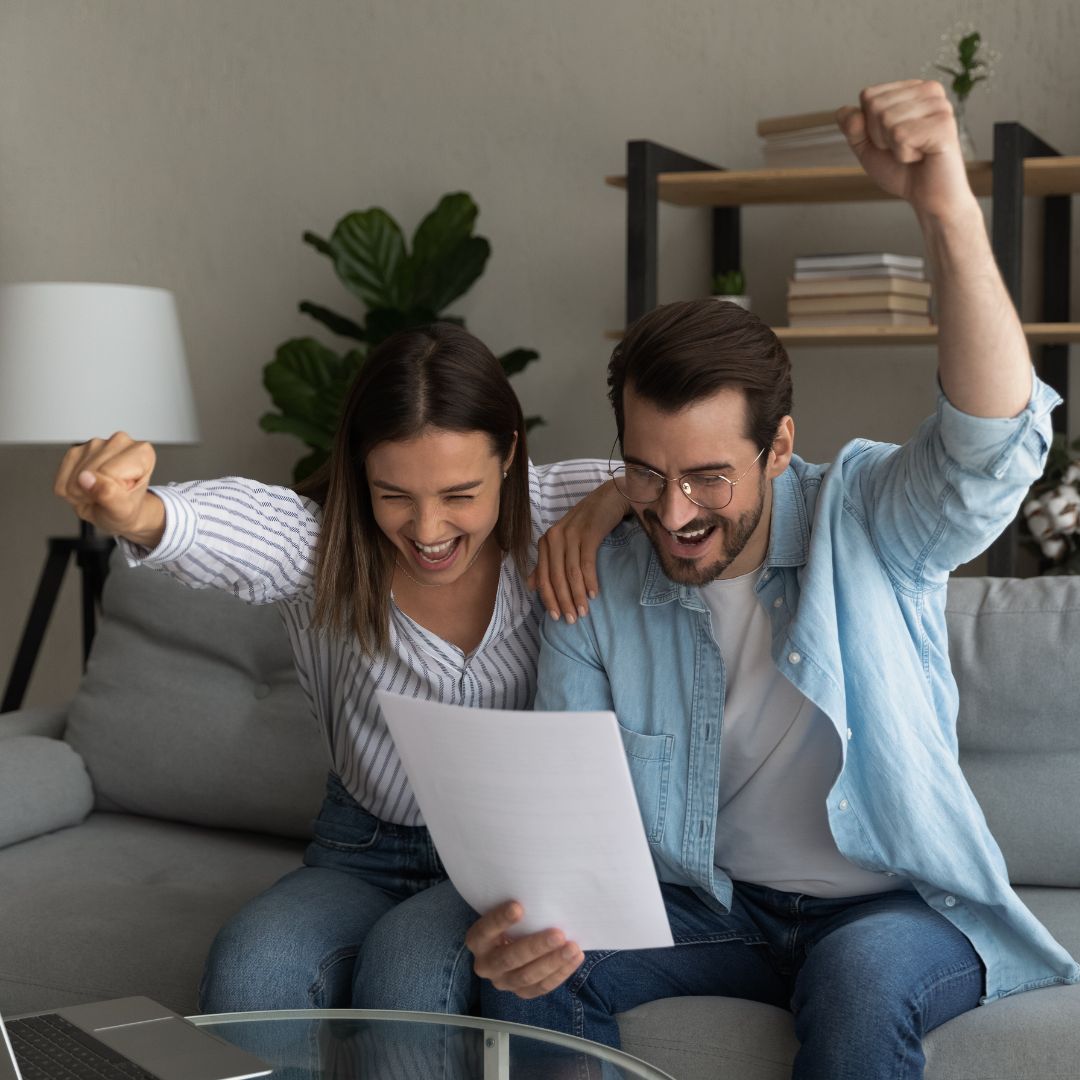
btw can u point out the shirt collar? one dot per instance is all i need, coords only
(789, 545)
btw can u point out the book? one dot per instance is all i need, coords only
(857, 272)
(858, 260)
(859, 286)
(862, 318)
(777, 125)
(839, 305)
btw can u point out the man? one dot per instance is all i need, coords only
(771, 636)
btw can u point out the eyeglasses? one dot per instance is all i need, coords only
(710, 491)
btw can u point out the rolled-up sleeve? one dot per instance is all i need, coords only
(253, 540)
(945, 495)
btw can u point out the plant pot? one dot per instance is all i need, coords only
(743, 301)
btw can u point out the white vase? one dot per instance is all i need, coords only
(967, 143)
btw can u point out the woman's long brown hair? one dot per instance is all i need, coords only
(436, 376)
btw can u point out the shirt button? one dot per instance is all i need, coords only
(793, 657)
(843, 804)
(778, 602)
(950, 901)
(766, 575)
(849, 734)
(889, 873)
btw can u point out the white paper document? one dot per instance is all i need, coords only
(536, 807)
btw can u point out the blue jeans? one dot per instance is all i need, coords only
(865, 977)
(295, 946)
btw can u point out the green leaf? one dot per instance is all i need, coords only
(319, 244)
(293, 425)
(338, 324)
(369, 248)
(446, 258)
(307, 382)
(517, 360)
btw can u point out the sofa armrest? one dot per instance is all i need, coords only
(44, 786)
(47, 720)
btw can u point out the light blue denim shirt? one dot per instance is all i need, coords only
(859, 555)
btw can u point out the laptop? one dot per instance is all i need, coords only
(130, 1038)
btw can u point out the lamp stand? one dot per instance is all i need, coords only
(91, 553)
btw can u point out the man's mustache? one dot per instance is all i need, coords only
(697, 523)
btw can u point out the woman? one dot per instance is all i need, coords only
(400, 566)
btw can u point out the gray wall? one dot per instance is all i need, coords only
(188, 143)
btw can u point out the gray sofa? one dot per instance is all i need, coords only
(182, 778)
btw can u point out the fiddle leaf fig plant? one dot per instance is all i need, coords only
(397, 288)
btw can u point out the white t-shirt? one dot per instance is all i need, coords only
(779, 757)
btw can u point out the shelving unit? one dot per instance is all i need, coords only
(1023, 166)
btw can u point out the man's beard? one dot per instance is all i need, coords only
(735, 535)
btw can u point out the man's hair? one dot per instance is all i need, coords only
(682, 353)
(437, 376)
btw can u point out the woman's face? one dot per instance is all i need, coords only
(436, 497)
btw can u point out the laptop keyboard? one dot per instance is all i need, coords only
(50, 1048)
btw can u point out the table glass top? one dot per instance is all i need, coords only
(350, 1044)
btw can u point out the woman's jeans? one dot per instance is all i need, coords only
(865, 977)
(295, 946)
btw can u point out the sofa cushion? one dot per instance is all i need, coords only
(43, 787)
(190, 710)
(1031, 1036)
(1010, 641)
(124, 905)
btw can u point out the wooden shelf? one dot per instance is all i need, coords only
(810, 336)
(826, 184)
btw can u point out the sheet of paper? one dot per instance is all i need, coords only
(536, 807)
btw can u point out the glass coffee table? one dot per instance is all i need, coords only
(368, 1044)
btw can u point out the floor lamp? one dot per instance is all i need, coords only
(78, 361)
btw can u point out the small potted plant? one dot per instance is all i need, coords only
(731, 285)
(968, 62)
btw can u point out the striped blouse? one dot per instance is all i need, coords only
(258, 542)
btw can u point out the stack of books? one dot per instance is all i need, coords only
(805, 140)
(867, 289)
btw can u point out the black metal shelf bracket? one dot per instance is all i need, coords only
(645, 161)
(1012, 144)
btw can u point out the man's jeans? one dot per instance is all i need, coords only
(295, 946)
(865, 977)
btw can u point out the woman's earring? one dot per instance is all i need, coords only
(505, 474)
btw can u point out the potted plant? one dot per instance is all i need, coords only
(731, 285)
(959, 58)
(399, 288)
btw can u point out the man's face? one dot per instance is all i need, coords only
(696, 545)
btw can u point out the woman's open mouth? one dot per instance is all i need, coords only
(436, 556)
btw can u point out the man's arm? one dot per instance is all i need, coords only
(904, 135)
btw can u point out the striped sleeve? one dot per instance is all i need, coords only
(255, 541)
(563, 484)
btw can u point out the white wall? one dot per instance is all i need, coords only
(188, 144)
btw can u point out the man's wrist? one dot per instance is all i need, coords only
(961, 218)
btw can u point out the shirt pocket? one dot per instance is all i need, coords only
(649, 758)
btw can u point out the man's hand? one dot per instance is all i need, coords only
(106, 481)
(904, 135)
(530, 966)
(565, 571)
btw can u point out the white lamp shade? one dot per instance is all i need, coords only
(85, 360)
